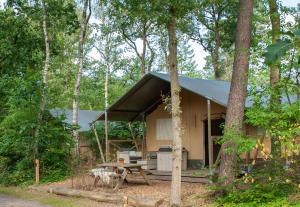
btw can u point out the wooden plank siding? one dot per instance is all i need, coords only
(194, 108)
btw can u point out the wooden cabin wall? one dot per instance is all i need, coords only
(194, 114)
(194, 110)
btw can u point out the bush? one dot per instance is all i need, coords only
(272, 194)
(17, 148)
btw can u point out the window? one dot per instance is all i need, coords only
(164, 129)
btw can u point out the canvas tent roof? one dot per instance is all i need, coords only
(146, 94)
(85, 117)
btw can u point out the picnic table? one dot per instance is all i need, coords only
(126, 169)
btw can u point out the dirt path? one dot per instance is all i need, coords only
(9, 201)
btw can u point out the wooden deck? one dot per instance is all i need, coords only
(191, 176)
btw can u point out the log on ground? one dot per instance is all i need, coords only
(96, 196)
(107, 197)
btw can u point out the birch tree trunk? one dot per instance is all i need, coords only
(82, 37)
(175, 199)
(275, 69)
(107, 71)
(238, 91)
(43, 100)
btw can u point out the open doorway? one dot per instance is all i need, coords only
(216, 130)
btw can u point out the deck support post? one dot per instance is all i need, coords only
(144, 136)
(210, 141)
(37, 171)
(106, 137)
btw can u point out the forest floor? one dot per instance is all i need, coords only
(193, 194)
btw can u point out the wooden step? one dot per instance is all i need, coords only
(183, 179)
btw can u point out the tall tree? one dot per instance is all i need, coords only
(43, 100)
(176, 110)
(275, 69)
(86, 14)
(213, 27)
(135, 24)
(238, 92)
(107, 42)
(185, 54)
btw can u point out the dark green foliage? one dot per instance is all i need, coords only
(16, 148)
(277, 50)
(281, 47)
(271, 194)
(21, 63)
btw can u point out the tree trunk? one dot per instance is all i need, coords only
(83, 27)
(238, 91)
(107, 71)
(143, 56)
(274, 69)
(43, 100)
(215, 54)
(175, 199)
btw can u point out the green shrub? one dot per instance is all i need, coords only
(17, 148)
(260, 195)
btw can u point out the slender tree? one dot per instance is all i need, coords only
(82, 37)
(43, 100)
(275, 68)
(238, 91)
(133, 21)
(213, 28)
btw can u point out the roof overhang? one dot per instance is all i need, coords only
(139, 101)
(146, 95)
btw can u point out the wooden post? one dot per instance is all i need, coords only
(98, 142)
(106, 137)
(144, 137)
(210, 141)
(37, 171)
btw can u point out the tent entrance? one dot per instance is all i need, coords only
(216, 131)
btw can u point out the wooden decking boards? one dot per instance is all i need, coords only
(191, 176)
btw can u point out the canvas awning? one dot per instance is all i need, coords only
(141, 98)
(146, 95)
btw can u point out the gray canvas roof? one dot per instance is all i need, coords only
(85, 117)
(146, 94)
(214, 90)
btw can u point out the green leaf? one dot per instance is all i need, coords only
(277, 50)
(297, 33)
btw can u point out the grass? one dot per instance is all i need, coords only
(45, 198)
